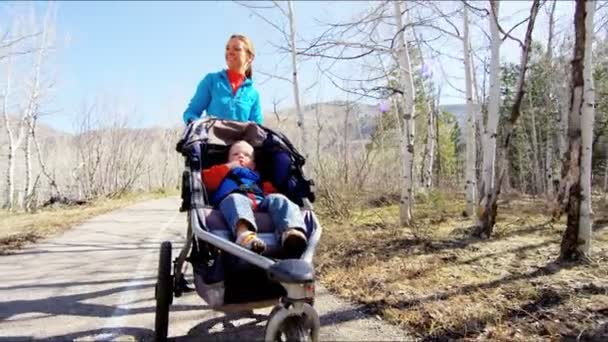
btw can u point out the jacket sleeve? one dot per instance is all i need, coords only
(256, 111)
(213, 176)
(200, 100)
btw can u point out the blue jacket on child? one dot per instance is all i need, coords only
(239, 179)
(214, 95)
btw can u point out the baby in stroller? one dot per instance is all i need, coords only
(249, 245)
(238, 192)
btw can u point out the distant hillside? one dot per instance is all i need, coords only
(459, 110)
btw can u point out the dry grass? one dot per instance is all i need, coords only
(437, 282)
(17, 229)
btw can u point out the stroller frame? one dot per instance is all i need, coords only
(293, 315)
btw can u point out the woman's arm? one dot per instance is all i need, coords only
(200, 100)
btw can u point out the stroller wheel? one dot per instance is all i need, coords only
(163, 292)
(285, 326)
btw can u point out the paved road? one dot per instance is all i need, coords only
(96, 282)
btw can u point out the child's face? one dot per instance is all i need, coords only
(243, 153)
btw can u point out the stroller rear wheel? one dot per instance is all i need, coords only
(164, 292)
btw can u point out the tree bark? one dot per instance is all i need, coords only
(296, 87)
(538, 179)
(489, 137)
(487, 219)
(576, 242)
(470, 127)
(550, 173)
(407, 119)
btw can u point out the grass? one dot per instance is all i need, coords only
(17, 229)
(437, 282)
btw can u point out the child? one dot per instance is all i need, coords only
(238, 192)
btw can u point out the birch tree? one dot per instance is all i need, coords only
(407, 119)
(549, 150)
(14, 45)
(470, 129)
(489, 207)
(290, 41)
(489, 135)
(32, 110)
(576, 242)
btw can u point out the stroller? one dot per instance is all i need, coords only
(227, 276)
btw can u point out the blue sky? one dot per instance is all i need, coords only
(154, 53)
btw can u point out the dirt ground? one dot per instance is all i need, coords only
(437, 282)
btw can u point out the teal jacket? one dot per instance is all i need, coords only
(214, 95)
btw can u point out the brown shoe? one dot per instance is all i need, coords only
(294, 243)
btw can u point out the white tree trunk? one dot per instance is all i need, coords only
(489, 145)
(12, 147)
(429, 148)
(550, 171)
(587, 119)
(296, 88)
(407, 119)
(29, 187)
(566, 96)
(470, 129)
(538, 179)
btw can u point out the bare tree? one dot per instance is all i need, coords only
(576, 242)
(407, 119)
(32, 110)
(489, 207)
(13, 46)
(550, 149)
(290, 42)
(489, 136)
(470, 127)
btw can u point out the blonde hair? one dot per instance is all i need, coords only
(250, 50)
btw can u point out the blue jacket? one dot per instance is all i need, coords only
(239, 179)
(214, 95)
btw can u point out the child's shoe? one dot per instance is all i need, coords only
(294, 242)
(251, 241)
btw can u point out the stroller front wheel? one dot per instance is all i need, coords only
(163, 292)
(301, 324)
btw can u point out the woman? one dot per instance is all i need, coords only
(229, 94)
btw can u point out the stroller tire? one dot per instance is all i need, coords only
(284, 326)
(163, 293)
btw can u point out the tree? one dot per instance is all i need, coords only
(576, 171)
(470, 127)
(489, 205)
(407, 119)
(290, 41)
(489, 135)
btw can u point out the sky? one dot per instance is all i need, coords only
(152, 54)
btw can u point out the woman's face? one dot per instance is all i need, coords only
(237, 57)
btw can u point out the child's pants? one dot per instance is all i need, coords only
(283, 212)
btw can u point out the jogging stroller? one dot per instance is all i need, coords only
(227, 276)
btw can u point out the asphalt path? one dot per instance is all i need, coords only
(96, 282)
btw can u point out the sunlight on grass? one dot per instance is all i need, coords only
(19, 228)
(443, 284)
